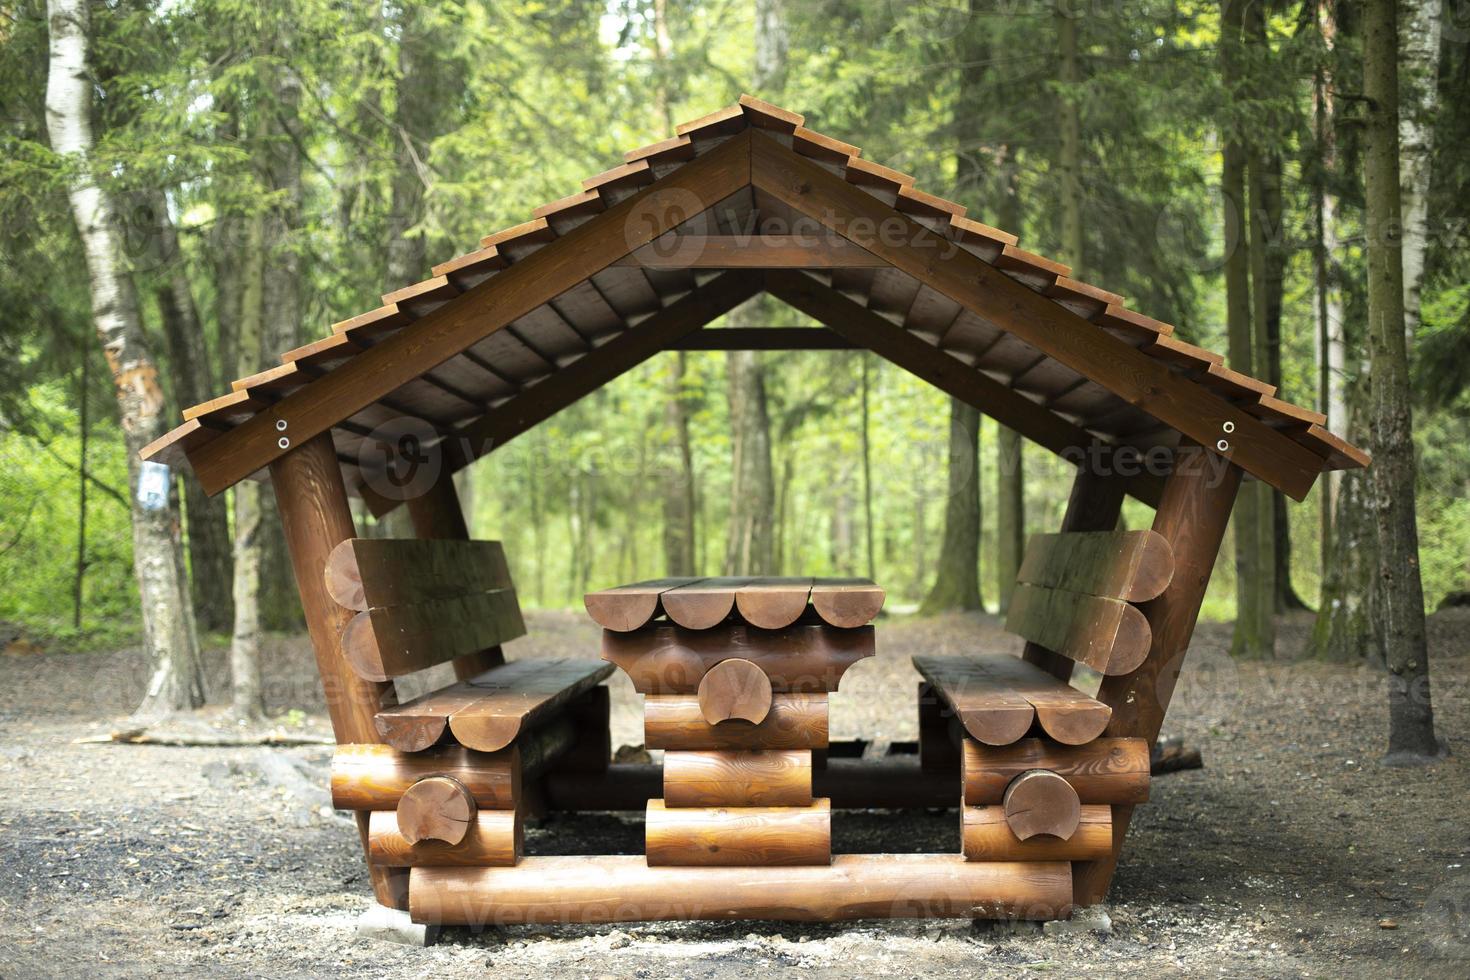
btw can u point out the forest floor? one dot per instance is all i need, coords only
(1294, 852)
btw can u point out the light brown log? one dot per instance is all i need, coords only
(489, 711)
(772, 603)
(760, 778)
(1134, 566)
(988, 837)
(384, 642)
(435, 808)
(493, 839)
(628, 607)
(1108, 635)
(795, 721)
(993, 714)
(847, 603)
(734, 690)
(1041, 802)
(623, 888)
(315, 518)
(969, 684)
(701, 604)
(375, 777)
(762, 836)
(366, 572)
(1108, 770)
(663, 658)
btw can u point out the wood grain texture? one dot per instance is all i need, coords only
(995, 715)
(772, 603)
(489, 711)
(493, 839)
(1108, 635)
(986, 291)
(312, 502)
(623, 888)
(436, 808)
(1040, 802)
(366, 572)
(986, 836)
(750, 836)
(968, 683)
(847, 602)
(795, 721)
(1133, 566)
(732, 778)
(628, 607)
(702, 604)
(375, 777)
(389, 641)
(677, 251)
(734, 690)
(805, 657)
(1108, 770)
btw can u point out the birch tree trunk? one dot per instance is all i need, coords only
(1399, 602)
(176, 682)
(1419, 55)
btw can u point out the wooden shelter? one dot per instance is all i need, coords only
(640, 260)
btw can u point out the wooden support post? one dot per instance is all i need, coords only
(1094, 505)
(436, 513)
(315, 518)
(1192, 515)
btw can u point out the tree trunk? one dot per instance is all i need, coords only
(1254, 627)
(678, 489)
(1069, 74)
(206, 522)
(871, 564)
(957, 578)
(749, 550)
(169, 639)
(1331, 349)
(1419, 52)
(84, 430)
(1399, 601)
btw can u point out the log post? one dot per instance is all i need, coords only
(436, 513)
(735, 689)
(437, 808)
(1192, 515)
(312, 502)
(1040, 802)
(1094, 504)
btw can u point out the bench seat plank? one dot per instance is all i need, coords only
(766, 602)
(996, 696)
(1109, 635)
(1134, 566)
(487, 712)
(628, 607)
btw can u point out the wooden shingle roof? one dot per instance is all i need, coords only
(744, 200)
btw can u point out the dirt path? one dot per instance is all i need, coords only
(1285, 856)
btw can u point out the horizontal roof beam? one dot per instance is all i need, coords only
(819, 250)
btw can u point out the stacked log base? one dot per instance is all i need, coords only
(755, 836)
(566, 890)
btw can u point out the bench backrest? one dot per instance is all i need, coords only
(1076, 593)
(421, 602)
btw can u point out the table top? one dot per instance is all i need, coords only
(761, 601)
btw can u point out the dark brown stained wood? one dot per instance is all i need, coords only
(764, 338)
(437, 808)
(734, 690)
(847, 602)
(1134, 566)
(952, 376)
(1041, 802)
(1108, 770)
(939, 750)
(772, 603)
(994, 715)
(493, 839)
(806, 657)
(966, 683)
(702, 604)
(986, 836)
(375, 777)
(1094, 504)
(365, 572)
(390, 641)
(1108, 635)
(678, 251)
(1083, 347)
(590, 717)
(628, 607)
(1193, 517)
(315, 517)
(675, 721)
(623, 888)
(760, 778)
(473, 315)
(489, 711)
(751, 836)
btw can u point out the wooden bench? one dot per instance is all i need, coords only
(447, 784)
(1039, 779)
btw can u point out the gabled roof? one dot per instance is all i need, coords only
(743, 200)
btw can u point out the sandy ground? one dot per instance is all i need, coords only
(1292, 853)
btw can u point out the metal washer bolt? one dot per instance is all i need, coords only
(1223, 445)
(281, 425)
(283, 442)
(1228, 427)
